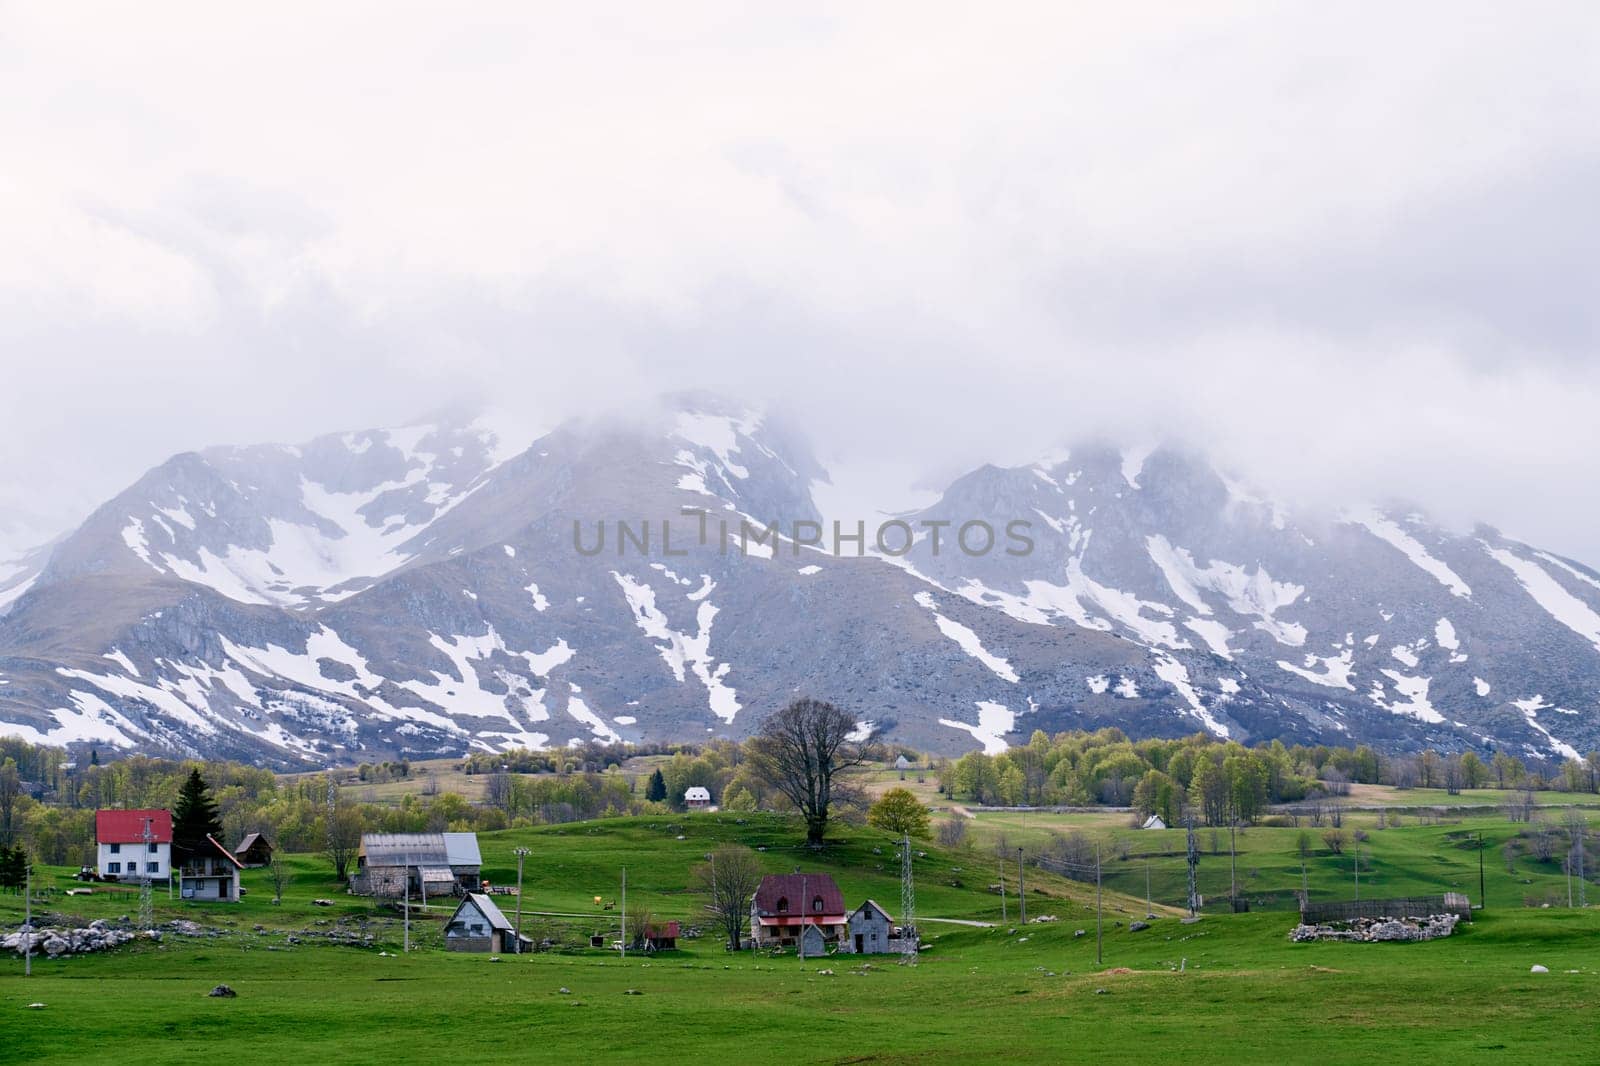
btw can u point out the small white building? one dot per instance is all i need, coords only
(902, 764)
(697, 797)
(1153, 822)
(133, 845)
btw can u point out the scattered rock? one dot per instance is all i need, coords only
(1374, 930)
(1102, 991)
(1190, 920)
(1539, 969)
(222, 992)
(633, 992)
(564, 990)
(1079, 932)
(36, 1006)
(1134, 927)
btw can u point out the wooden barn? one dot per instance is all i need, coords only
(425, 865)
(661, 936)
(254, 851)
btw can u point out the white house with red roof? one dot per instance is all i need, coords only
(133, 845)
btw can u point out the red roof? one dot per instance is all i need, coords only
(662, 931)
(799, 893)
(127, 827)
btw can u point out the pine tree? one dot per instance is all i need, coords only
(656, 790)
(94, 757)
(194, 818)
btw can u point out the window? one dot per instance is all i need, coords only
(816, 905)
(152, 848)
(113, 867)
(783, 904)
(116, 849)
(152, 867)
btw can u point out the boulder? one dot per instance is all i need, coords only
(222, 992)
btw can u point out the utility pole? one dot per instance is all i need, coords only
(1194, 862)
(1233, 865)
(27, 923)
(1358, 874)
(1022, 899)
(1149, 908)
(624, 912)
(1003, 917)
(1099, 910)
(1481, 900)
(521, 854)
(407, 948)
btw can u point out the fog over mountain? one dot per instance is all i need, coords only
(473, 584)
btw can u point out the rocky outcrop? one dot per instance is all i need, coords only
(54, 942)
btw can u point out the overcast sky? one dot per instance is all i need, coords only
(1350, 249)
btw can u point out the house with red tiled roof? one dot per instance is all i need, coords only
(786, 905)
(133, 845)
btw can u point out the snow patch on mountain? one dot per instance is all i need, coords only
(1551, 596)
(1389, 531)
(967, 640)
(1175, 674)
(995, 720)
(1333, 671)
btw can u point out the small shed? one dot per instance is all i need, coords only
(254, 851)
(871, 930)
(813, 943)
(902, 763)
(478, 925)
(697, 797)
(1153, 822)
(661, 936)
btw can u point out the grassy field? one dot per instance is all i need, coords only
(1230, 988)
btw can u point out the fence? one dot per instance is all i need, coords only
(1405, 907)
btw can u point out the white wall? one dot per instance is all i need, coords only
(139, 853)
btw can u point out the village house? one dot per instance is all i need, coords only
(697, 798)
(478, 925)
(1153, 822)
(787, 905)
(422, 865)
(254, 851)
(133, 845)
(661, 936)
(871, 931)
(211, 874)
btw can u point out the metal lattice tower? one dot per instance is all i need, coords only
(147, 906)
(908, 906)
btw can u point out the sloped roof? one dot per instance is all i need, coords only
(404, 849)
(461, 849)
(224, 852)
(874, 904)
(662, 931)
(127, 827)
(436, 875)
(697, 792)
(485, 906)
(800, 890)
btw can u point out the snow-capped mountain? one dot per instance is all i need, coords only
(449, 586)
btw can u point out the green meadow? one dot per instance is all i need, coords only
(1228, 988)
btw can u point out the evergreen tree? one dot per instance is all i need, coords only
(656, 790)
(194, 818)
(94, 757)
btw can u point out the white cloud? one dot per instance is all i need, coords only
(1350, 259)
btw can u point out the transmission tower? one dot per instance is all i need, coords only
(1194, 862)
(908, 906)
(147, 907)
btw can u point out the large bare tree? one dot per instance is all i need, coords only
(344, 826)
(728, 879)
(801, 751)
